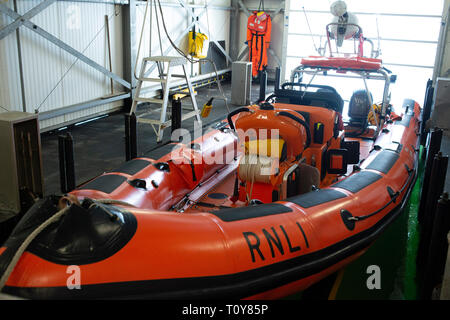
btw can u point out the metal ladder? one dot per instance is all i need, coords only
(164, 65)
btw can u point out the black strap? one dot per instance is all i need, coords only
(232, 113)
(392, 194)
(194, 177)
(251, 47)
(261, 2)
(303, 123)
(262, 51)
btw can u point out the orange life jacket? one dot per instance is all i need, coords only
(259, 30)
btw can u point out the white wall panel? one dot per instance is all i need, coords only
(54, 78)
(89, 37)
(408, 33)
(10, 95)
(80, 25)
(41, 59)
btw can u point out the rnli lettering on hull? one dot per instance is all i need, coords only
(277, 239)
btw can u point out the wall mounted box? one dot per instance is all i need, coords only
(20, 161)
(440, 116)
(241, 83)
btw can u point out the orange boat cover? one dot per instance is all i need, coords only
(339, 62)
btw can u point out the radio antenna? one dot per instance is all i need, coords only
(310, 31)
(378, 35)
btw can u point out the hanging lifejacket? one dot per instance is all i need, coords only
(259, 30)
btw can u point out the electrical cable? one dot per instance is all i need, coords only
(191, 60)
(26, 243)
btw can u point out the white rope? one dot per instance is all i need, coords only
(26, 243)
(112, 201)
(249, 198)
(257, 168)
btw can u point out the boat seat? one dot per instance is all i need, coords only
(309, 177)
(322, 98)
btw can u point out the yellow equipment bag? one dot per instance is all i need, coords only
(266, 147)
(371, 117)
(198, 45)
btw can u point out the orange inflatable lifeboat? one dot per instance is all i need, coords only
(266, 203)
(194, 229)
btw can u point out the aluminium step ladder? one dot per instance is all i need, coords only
(165, 65)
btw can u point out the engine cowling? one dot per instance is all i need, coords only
(266, 123)
(274, 141)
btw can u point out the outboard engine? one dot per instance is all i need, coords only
(359, 108)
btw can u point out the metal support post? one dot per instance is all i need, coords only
(130, 137)
(427, 104)
(437, 251)
(277, 79)
(176, 114)
(262, 85)
(66, 163)
(234, 30)
(434, 145)
(129, 48)
(435, 189)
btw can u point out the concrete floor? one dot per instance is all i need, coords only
(99, 145)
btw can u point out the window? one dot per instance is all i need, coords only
(406, 30)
